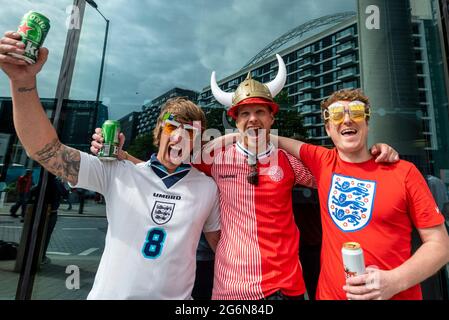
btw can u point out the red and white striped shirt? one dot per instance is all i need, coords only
(257, 254)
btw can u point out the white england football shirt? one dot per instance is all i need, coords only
(155, 222)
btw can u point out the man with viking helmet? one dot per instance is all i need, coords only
(257, 256)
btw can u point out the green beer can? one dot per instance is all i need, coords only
(33, 29)
(111, 143)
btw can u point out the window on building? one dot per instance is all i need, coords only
(417, 42)
(419, 69)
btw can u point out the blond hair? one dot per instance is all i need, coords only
(183, 109)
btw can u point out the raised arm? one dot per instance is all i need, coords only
(33, 128)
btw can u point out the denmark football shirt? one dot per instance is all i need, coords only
(258, 250)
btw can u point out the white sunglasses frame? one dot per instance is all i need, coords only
(184, 126)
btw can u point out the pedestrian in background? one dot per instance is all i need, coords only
(23, 188)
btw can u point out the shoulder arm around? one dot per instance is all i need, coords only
(292, 146)
(303, 175)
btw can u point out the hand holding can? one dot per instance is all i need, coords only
(111, 143)
(353, 259)
(33, 29)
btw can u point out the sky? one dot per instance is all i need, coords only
(156, 45)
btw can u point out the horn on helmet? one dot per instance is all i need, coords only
(278, 83)
(221, 96)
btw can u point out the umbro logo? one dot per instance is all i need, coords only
(166, 196)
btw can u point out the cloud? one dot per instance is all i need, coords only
(11, 16)
(155, 45)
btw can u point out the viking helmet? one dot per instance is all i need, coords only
(251, 91)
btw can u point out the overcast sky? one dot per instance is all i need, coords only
(155, 45)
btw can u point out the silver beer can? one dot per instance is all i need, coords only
(353, 260)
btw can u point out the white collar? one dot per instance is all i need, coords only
(246, 152)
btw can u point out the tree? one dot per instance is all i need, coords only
(142, 147)
(214, 118)
(289, 121)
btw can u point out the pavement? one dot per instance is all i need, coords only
(77, 240)
(50, 281)
(91, 209)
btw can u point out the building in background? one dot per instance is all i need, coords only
(399, 66)
(150, 111)
(128, 125)
(430, 58)
(77, 121)
(389, 78)
(443, 25)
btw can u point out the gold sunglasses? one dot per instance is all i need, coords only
(336, 112)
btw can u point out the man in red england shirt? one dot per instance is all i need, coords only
(373, 204)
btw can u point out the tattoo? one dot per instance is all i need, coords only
(49, 151)
(23, 89)
(60, 160)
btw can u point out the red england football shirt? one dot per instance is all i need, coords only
(374, 204)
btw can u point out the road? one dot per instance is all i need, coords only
(76, 241)
(83, 236)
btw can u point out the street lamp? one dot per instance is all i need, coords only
(97, 100)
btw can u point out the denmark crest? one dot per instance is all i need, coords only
(350, 202)
(162, 212)
(276, 173)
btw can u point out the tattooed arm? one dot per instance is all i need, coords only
(60, 160)
(38, 136)
(32, 125)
